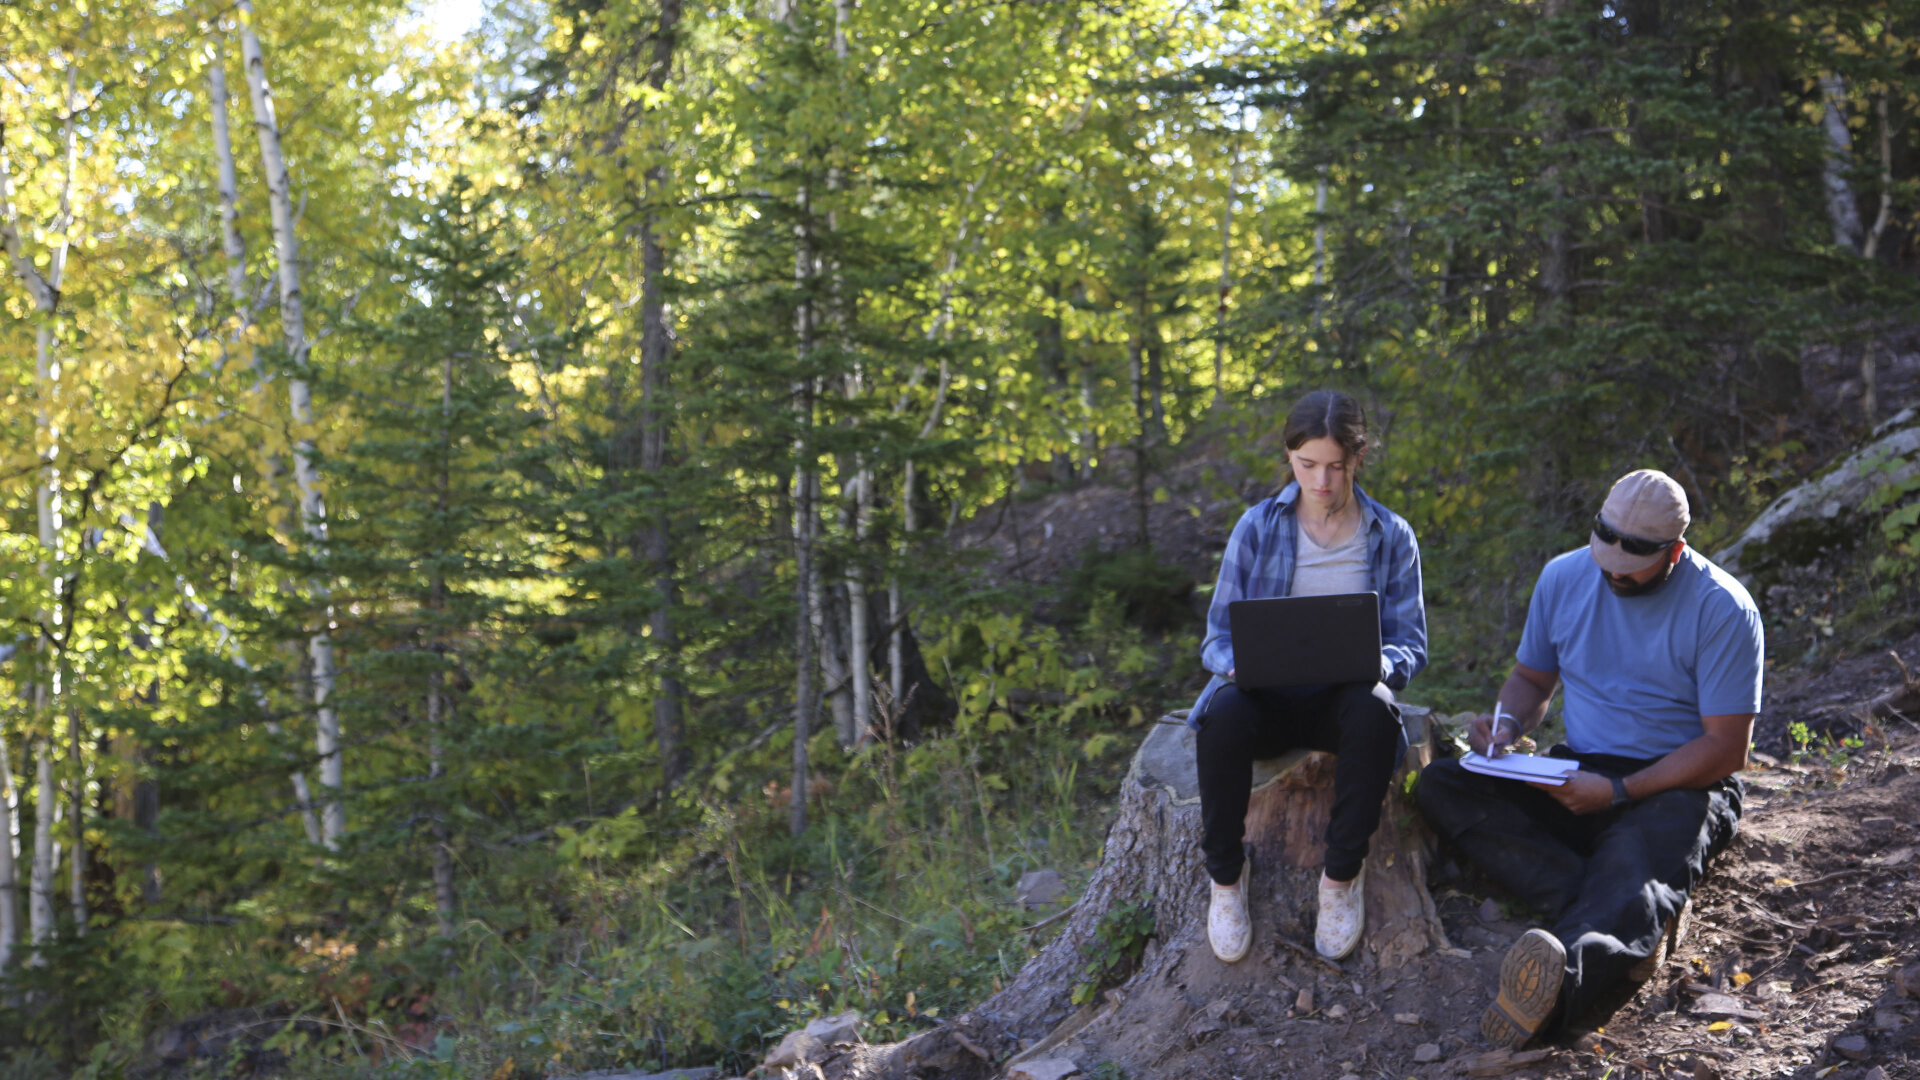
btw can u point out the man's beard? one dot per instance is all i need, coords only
(1626, 586)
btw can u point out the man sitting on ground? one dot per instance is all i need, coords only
(1660, 654)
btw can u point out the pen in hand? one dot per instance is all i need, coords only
(1495, 744)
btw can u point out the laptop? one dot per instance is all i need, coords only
(1305, 640)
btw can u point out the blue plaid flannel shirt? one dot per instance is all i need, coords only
(1258, 563)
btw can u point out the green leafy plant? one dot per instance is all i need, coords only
(1115, 947)
(1801, 736)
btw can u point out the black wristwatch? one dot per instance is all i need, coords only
(1620, 796)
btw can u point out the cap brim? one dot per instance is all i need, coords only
(1615, 561)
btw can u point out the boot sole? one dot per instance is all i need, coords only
(1530, 978)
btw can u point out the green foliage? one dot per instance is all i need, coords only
(1115, 947)
(1149, 593)
(589, 291)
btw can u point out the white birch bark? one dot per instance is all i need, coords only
(9, 859)
(45, 291)
(1226, 274)
(46, 849)
(235, 247)
(236, 252)
(436, 682)
(333, 820)
(805, 518)
(77, 861)
(1320, 228)
(1842, 211)
(656, 349)
(1880, 220)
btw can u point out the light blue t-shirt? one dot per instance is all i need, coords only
(1639, 672)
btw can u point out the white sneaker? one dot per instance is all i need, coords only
(1343, 916)
(1229, 930)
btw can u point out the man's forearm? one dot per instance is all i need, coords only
(1524, 701)
(1711, 757)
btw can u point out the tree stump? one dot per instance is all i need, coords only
(1153, 850)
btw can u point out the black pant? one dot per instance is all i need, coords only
(1356, 721)
(1607, 882)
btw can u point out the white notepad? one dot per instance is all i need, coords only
(1540, 770)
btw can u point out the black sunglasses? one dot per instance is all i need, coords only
(1632, 545)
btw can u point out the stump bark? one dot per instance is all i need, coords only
(1153, 850)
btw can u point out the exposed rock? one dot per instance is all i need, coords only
(1853, 1047)
(810, 1043)
(1907, 981)
(1053, 1068)
(1410, 1019)
(1875, 1073)
(1885, 1019)
(1041, 887)
(1338, 1012)
(1211, 1020)
(704, 1072)
(1716, 1004)
(1303, 1003)
(1426, 1053)
(1817, 514)
(1489, 910)
(797, 1048)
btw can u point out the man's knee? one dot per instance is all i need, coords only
(1443, 791)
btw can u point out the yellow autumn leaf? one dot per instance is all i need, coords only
(1720, 1025)
(1741, 978)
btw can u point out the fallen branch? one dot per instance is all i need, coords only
(1051, 919)
(1705, 925)
(1836, 875)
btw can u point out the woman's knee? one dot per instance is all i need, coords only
(1228, 720)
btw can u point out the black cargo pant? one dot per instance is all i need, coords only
(1358, 722)
(1607, 882)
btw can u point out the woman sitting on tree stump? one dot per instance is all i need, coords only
(1321, 535)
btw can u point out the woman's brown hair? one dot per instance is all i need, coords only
(1328, 414)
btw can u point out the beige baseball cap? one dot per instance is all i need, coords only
(1644, 505)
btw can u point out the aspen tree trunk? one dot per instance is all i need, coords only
(1843, 213)
(656, 345)
(333, 820)
(828, 640)
(803, 699)
(1320, 228)
(236, 252)
(77, 864)
(805, 518)
(235, 248)
(859, 633)
(46, 850)
(1556, 260)
(1880, 220)
(45, 291)
(9, 859)
(437, 704)
(910, 524)
(942, 330)
(1226, 275)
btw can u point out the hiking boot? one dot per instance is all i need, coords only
(1663, 949)
(1229, 930)
(1343, 916)
(1530, 978)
